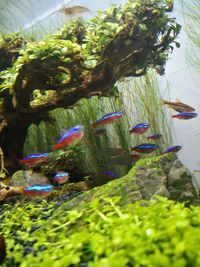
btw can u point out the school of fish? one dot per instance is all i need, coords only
(117, 156)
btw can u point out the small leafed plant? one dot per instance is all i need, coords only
(102, 233)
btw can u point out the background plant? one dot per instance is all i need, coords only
(138, 99)
(191, 13)
(79, 62)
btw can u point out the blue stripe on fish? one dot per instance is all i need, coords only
(70, 132)
(118, 113)
(33, 156)
(142, 125)
(147, 146)
(187, 114)
(39, 188)
(172, 149)
(112, 174)
(57, 174)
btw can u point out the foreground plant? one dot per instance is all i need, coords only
(159, 233)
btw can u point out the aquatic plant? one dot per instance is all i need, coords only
(142, 101)
(160, 233)
(120, 42)
(2, 173)
(191, 14)
(138, 99)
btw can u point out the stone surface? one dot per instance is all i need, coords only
(19, 179)
(124, 187)
(151, 181)
(168, 177)
(180, 185)
(28, 178)
(164, 175)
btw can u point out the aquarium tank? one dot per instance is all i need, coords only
(99, 133)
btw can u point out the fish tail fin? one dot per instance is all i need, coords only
(163, 102)
(131, 130)
(94, 125)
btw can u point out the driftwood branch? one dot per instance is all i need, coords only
(9, 191)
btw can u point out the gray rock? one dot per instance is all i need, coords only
(27, 178)
(180, 183)
(19, 179)
(165, 176)
(150, 181)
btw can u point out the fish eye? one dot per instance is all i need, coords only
(76, 128)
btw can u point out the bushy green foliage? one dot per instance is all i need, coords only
(9, 50)
(91, 41)
(156, 233)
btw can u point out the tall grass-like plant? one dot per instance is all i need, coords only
(139, 100)
(191, 14)
(144, 105)
(28, 19)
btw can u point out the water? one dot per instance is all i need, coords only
(184, 84)
(180, 73)
(32, 231)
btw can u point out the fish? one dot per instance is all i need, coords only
(100, 132)
(35, 158)
(170, 6)
(75, 10)
(122, 160)
(109, 118)
(111, 174)
(60, 177)
(145, 148)
(70, 137)
(173, 149)
(140, 128)
(155, 136)
(2, 248)
(112, 152)
(37, 190)
(103, 163)
(178, 106)
(185, 115)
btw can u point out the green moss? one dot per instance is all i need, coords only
(160, 233)
(155, 161)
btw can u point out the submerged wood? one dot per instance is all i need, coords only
(9, 191)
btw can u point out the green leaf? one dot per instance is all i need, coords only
(177, 44)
